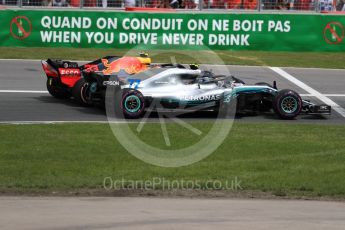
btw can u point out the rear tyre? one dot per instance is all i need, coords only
(80, 92)
(287, 104)
(133, 104)
(55, 91)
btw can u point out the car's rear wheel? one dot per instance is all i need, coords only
(55, 91)
(287, 104)
(80, 92)
(133, 104)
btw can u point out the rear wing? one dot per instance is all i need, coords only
(52, 67)
(65, 72)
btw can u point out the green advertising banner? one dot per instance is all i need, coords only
(279, 32)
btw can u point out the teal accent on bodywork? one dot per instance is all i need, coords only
(228, 97)
(254, 89)
(183, 102)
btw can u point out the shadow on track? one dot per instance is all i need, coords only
(91, 111)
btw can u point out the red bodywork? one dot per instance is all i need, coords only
(69, 76)
(91, 67)
(50, 71)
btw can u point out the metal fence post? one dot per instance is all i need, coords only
(20, 3)
(201, 4)
(316, 5)
(259, 5)
(81, 4)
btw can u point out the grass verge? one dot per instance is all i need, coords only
(258, 58)
(282, 159)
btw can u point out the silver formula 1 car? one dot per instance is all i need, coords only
(176, 87)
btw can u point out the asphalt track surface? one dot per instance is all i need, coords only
(23, 96)
(68, 213)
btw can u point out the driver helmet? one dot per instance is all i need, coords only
(206, 76)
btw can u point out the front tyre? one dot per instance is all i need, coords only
(55, 91)
(133, 104)
(287, 104)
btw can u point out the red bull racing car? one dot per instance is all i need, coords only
(64, 78)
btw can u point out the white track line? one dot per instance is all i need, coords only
(310, 90)
(61, 122)
(334, 95)
(246, 66)
(22, 91)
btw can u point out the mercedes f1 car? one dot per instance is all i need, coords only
(64, 78)
(175, 87)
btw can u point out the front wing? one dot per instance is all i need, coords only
(313, 109)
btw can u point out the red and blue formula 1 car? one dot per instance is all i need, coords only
(65, 80)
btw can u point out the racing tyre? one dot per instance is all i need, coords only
(132, 104)
(264, 83)
(80, 91)
(55, 91)
(287, 104)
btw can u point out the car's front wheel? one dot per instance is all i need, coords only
(287, 104)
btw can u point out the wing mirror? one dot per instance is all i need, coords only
(199, 81)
